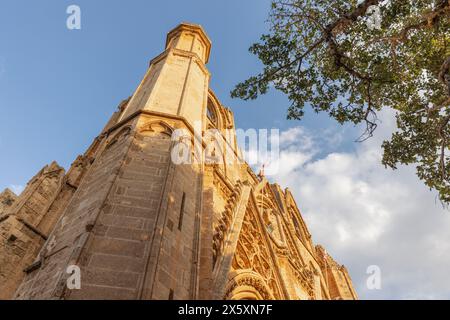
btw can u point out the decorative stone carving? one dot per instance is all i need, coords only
(156, 127)
(225, 191)
(252, 252)
(248, 279)
(223, 226)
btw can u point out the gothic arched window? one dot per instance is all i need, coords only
(211, 113)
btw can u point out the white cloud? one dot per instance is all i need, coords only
(366, 215)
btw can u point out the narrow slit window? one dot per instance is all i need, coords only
(171, 294)
(180, 221)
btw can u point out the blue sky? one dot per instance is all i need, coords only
(58, 87)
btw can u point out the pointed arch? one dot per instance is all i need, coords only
(265, 197)
(124, 132)
(156, 127)
(213, 114)
(297, 220)
(254, 252)
(247, 285)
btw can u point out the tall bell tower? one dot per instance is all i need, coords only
(133, 226)
(144, 215)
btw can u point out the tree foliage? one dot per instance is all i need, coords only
(333, 57)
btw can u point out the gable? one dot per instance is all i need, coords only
(254, 257)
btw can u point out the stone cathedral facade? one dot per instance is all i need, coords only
(140, 226)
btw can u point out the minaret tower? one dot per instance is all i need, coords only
(133, 227)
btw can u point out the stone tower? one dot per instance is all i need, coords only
(140, 225)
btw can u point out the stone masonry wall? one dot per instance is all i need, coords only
(70, 234)
(20, 239)
(114, 261)
(19, 245)
(132, 227)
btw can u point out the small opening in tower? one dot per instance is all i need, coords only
(180, 221)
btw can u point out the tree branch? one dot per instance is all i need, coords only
(443, 146)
